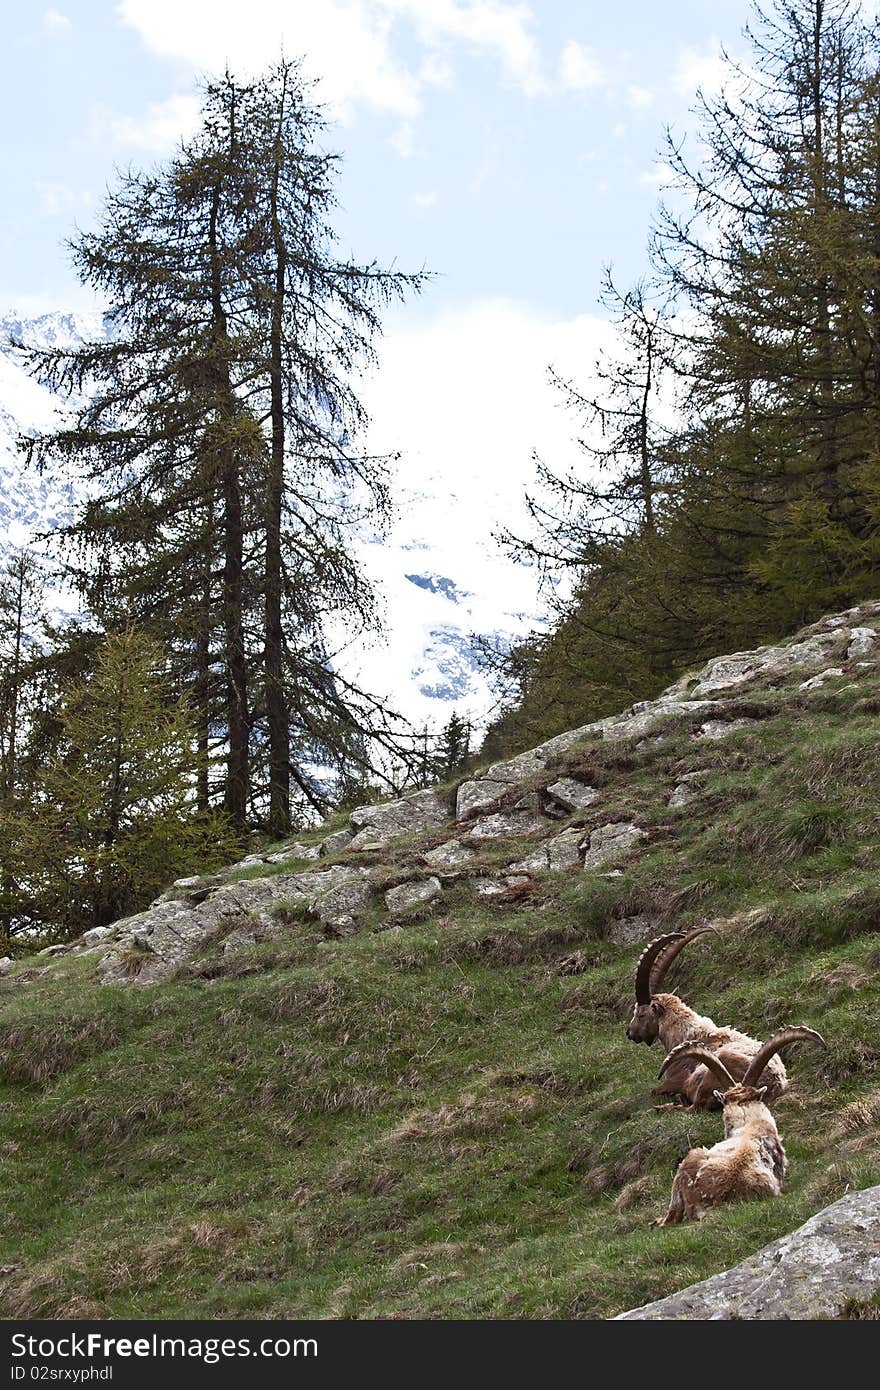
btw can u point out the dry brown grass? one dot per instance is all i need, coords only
(39, 1053)
(470, 1117)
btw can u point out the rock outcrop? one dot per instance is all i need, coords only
(811, 1273)
(527, 816)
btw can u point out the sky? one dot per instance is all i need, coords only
(511, 148)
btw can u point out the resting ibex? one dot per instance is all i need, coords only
(668, 1018)
(750, 1160)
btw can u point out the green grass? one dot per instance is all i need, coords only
(445, 1119)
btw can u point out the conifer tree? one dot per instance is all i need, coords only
(219, 432)
(112, 813)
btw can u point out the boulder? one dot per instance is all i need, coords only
(474, 797)
(610, 842)
(863, 642)
(809, 1274)
(554, 855)
(377, 826)
(561, 743)
(171, 931)
(491, 887)
(687, 789)
(294, 851)
(407, 896)
(814, 682)
(645, 718)
(484, 791)
(449, 855)
(335, 843)
(572, 794)
(720, 728)
(504, 825)
(725, 673)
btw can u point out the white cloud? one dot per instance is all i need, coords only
(702, 68)
(639, 97)
(658, 177)
(426, 200)
(436, 71)
(57, 199)
(55, 25)
(158, 130)
(403, 140)
(350, 45)
(579, 68)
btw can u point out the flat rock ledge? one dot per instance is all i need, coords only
(811, 1273)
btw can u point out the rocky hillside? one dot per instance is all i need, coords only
(382, 1069)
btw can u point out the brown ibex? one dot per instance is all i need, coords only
(750, 1160)
(668, 1018)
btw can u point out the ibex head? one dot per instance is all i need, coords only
(654, 962)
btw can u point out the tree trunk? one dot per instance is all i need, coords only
(273, 657)
(203, 670)
(235, 799)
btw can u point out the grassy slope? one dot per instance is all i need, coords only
(446, 1120)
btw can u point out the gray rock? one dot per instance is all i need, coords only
(629, 931)
(681, 689)
(263, 928)
(610, 842)
(340, 926)
(94, 935)
(483, 792)
(504, 825)
(491, 887)
(406, 896)
(369, 839)
(448, 855)
(377, 826)
(572, 794)
(863, 642)
(727, 672)
(335, 843)
(294, 851)
(474, 797)
(554, 855)
(682, 795)
(687, 789)
(814, 682)
(644, 718)
(6, 964)
(720, 728)
(587, 733)
(170, 932)
(809, 1274)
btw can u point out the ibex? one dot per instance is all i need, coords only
(750, 1160)
(668, 1018)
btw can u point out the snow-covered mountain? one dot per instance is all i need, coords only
(32, 501)
(440, 575)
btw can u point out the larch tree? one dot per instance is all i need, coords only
(218, 430)
(113, 810)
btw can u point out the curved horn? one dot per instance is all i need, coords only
(663, 961)
(646, 961)
(701, 1054)
(772, 1046)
